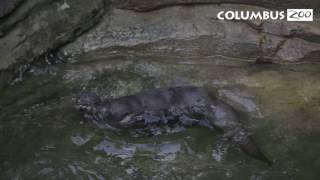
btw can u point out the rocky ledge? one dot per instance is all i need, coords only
(30, 28)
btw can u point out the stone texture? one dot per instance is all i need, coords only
(142, 5)
(179, 29)
(7, 6)
(194, 30)
(48, 27)
(309, 31)
(295, 50)
(21, 13)
(39, 25)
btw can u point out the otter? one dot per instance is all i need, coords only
(186, 106)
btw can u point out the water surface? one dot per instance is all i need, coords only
(44, 137)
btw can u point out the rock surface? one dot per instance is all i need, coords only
(142, 5)
(48, 26)
(7, 6)
(194, 30)
(21, 13)
(159, 27)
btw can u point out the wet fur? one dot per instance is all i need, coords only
(187, 106)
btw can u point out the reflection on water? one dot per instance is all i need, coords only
(44, 137)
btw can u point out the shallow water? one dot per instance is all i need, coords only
(44, 137)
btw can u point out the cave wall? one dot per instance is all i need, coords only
(184, 27)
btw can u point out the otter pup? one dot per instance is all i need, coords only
(186, 106)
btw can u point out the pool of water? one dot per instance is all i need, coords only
(42, 136)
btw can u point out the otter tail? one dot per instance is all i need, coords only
(252, 149)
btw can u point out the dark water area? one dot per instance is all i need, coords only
(44, 137)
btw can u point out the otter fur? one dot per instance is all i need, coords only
(186, 106)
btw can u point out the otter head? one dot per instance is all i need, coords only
(95, 111)
(87, 102)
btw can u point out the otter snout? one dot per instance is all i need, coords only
(87, 101)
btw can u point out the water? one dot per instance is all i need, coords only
(44, 137)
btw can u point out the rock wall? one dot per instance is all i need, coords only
(45, 24)
(194, 30)
(142, 5)
(7, 6)
(30, 28)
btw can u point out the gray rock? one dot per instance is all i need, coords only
(304, 30)
(48, 27)
(21, 13)
(38, 25)
(180, 30)
(295, 50)
(7, 6)
(195, 31)
(142, 5)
